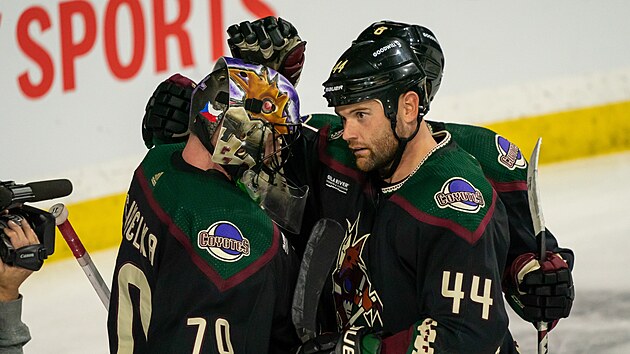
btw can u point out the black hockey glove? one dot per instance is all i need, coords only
(271, 42)
(357, 340)
(166, 115)
(540, 292)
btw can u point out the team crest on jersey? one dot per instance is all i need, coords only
(510, 155)
(459, 194)
(224, 241)
(356, 301)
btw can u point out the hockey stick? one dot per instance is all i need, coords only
(60, 213)
(319, 256)
(535, 208)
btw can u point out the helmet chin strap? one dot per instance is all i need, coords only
(391, 111)
(402, 142)
(402, 145)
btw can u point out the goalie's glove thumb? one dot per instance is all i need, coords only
(167, 113)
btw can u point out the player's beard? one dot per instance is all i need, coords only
(381, 153)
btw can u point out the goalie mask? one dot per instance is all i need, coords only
(254, 113)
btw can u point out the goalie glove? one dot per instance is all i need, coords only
(357, 340)
(166, 115)
(540, 292)
(270, 42)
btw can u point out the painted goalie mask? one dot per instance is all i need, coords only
(254, 111)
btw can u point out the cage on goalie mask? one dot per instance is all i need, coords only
(256, 113)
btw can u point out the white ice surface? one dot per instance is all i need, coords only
(583, 203)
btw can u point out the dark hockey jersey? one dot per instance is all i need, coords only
(421, 261)
(502, 162)
(200, 269)
(505, 166)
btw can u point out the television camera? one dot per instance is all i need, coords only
(12, 199)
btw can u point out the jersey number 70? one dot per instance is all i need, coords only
(129, 274)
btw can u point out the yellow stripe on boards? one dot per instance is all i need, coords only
(566, 135)
(571, 134)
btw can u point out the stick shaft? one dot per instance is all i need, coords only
(319, 257)
(80, 253)
(543, 338)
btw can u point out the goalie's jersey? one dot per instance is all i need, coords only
(421, 260)
(200, 269)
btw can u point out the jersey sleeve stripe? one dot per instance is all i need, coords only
(503, 187)
(469, 236)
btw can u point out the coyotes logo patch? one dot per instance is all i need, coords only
(224, 241)
(510, 155)
(459, 194)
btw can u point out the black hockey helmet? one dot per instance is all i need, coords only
(423, 43)
(383, 69)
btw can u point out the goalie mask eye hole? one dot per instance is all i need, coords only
(268, 106)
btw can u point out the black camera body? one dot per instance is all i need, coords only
(12, 197)
(29, 257)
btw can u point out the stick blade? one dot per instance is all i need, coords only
(533, 191)
(319, 256)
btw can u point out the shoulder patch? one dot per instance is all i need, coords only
(459, 194)
(510, 155)
(439, 195)
(224, 241)
(502, 161)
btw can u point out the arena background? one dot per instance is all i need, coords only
(76, 75)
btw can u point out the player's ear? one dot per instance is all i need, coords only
(408, 104)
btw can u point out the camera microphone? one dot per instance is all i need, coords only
(11, 193)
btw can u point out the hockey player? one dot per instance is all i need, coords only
(201, 268)
(427, 237)
(503, 163)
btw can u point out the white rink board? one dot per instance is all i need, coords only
(503, 60)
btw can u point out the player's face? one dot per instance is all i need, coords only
(368, 133)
